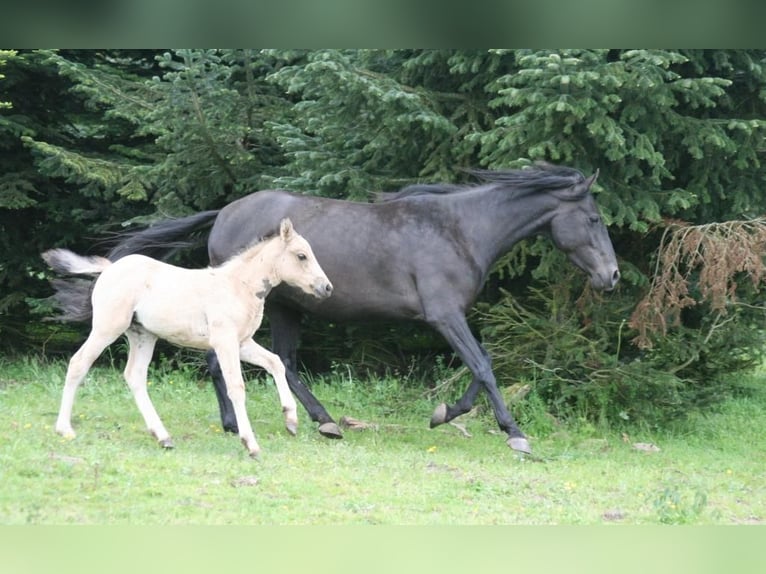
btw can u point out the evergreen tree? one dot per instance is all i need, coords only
(94, 140)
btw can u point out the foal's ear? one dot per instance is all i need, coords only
(286, 229)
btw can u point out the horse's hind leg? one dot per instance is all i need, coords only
(228, 420)
(285, 333)
(79, 365)
(140, 355)
(252, 352)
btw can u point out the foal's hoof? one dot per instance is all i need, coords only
(330, 430)
(254, 451)
(519, 444)
(440, 416)
(167, 444)
(292, 428)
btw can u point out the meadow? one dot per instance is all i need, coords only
(390, 469)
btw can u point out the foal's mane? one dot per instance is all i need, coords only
(251, 250)
(543, 176)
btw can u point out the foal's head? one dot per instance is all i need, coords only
(577, 229)
(297, 265)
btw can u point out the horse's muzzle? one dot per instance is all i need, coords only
(606, 281)
(610, 283)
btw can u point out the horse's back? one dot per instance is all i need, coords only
(375, 254)
(246, 220)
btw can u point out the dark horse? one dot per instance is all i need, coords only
(422, 253)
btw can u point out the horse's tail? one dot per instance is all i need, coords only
(72, 296)
(162, 238)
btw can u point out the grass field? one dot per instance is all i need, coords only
(708, 470)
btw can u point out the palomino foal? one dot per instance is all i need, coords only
(217, 308)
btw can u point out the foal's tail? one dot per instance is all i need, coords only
(72, 296)
(67, 262)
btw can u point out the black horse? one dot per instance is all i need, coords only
(422, 253)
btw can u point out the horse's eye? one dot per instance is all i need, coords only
(302, 257)
(594, 219)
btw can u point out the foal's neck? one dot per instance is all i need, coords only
(256, 267)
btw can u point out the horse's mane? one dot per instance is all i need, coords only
(523, 181)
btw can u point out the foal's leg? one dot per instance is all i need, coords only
(140, 355)
(226, 348)
(252, 352)
(285, 334)
(79, 365)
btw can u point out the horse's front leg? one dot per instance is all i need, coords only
(226, 348)
(251, 352)
(455, 329)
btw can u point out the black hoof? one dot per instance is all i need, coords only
(519, 444)
(330, 430)
(231, 427)
(440, 416)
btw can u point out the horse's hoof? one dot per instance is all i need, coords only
(330, 430)
(292, 427)
(167, 444)
(255, 454)
(440, 416)
(519, 444)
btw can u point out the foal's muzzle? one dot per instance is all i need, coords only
(323, 290)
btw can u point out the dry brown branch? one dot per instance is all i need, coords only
(716, 254)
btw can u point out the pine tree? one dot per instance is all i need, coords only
(93, 140)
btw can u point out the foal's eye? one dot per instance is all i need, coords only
(302, 257)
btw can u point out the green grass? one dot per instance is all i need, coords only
(709, 470)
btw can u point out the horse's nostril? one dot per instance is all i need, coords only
(616, 275)
(328, 288)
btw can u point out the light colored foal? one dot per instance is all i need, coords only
(215, 308)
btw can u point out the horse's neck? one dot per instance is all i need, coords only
(495, 221)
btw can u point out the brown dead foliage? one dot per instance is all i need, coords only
(714, 256)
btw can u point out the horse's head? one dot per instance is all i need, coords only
(577, 229)
(298, 266)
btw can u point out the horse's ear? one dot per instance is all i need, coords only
(580, 189)
(286, 229)
(591, 180)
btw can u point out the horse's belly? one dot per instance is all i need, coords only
(354, 306)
